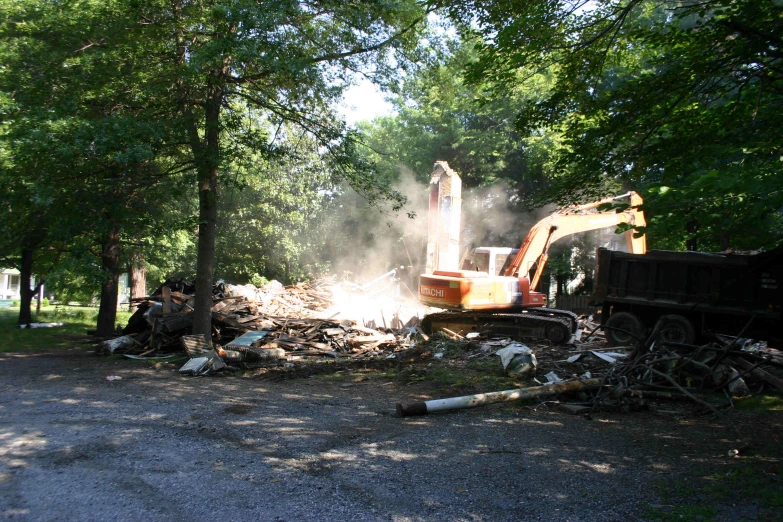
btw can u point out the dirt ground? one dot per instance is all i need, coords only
(155, 445)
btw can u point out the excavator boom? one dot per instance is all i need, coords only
(573, 220)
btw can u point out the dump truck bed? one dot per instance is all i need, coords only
(717, 292)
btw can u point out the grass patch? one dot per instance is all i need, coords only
(684, 513)
(680, 495)
(767, 403)
(466, 376)
(77, 321)
(750, 483)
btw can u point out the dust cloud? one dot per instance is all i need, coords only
(381, 241)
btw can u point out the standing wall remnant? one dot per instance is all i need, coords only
(444, 219)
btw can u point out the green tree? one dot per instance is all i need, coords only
(288, 59)
(678, 98)
(201, 68)
(82, 141)
(272, 212)
(440, 116)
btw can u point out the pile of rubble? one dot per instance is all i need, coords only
(627, 377)
(659, 369)
(255, 324)
(595, 376)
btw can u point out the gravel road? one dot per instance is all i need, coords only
(158, 446)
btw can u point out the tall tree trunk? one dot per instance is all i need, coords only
(205, 263)
(110, 264)
(25, 292)
(138, 279)
(38, 297)
(724, 239)
(208, 157)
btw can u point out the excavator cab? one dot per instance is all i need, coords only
(492, 260)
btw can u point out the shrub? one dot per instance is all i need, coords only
(16, 303)
(259, 281)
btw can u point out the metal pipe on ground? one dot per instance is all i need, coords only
(482, 399)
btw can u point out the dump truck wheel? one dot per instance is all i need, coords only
(623, 329)
(678, 329)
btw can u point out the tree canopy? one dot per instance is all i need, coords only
(180, 79)
(680, 99)
(202, 136)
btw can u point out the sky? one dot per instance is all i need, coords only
(364, 102)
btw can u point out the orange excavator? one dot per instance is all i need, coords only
(508, 304)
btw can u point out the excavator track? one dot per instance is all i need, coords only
(557, 326)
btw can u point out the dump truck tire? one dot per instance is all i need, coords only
(624, 329)
(678, 329)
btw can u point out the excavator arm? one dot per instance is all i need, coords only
(573, 220)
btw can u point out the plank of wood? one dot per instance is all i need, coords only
(423, 335)
(365, 330)
(452, 334)
(235, 307)
(230, 320)
(291, 338)
(318, 324)
(181, 299)
(317, 352)
(194, 345)
(318, 346)
(175, 322)
(265, 324)
(366, 339)
(166, 291)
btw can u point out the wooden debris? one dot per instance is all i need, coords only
(195, 345)
(758, 373)
(251, 324)
(658, 369)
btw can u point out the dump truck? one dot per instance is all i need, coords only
(698, 292)
(507, 304)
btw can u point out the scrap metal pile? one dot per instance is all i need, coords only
(255, 324)
(656, 368)
(624, 378)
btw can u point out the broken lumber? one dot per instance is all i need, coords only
(758, 373)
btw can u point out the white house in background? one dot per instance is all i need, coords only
(10, 283)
